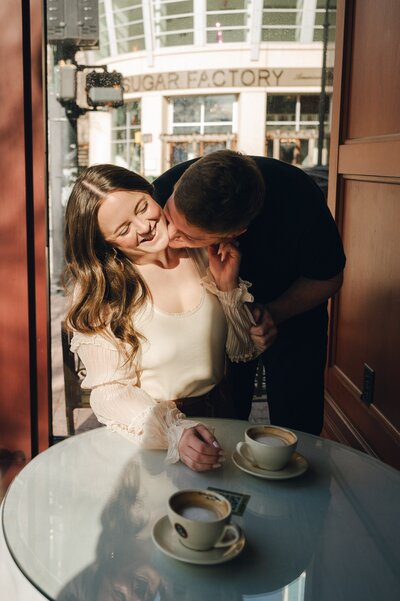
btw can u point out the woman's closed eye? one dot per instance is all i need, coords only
(125, 230)
(142, 208)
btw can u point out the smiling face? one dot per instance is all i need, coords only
(133, 223)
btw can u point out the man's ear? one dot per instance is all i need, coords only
(238, 233)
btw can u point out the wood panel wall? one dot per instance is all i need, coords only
(364, 194)
(24, 415)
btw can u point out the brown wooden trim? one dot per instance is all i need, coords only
(338, 428)
(356, 158)
(39, 190)
(336, 109)
(368, 422)
(24, 415)
(15, 422)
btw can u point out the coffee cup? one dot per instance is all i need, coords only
(201, 519)
(268, 447)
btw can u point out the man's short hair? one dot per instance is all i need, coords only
(221, 192)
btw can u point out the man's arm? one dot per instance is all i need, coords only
(304, 294)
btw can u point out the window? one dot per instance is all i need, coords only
(121, 27)
(226, 21)
(173, 22)
(281, 21)
(199, 125)
(202, 114)
(293, 21)
(126, 142)
(128, 25)
(293, 128)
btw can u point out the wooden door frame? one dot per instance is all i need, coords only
(24, 373)
(346, 419)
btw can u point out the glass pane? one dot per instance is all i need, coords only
(176, 24)
(219, 36)
(173, 8)
(217, 129)
(121, 4)
(222, 5)
(218, 108)
(281, 107)
(127, 16)
(188, 129)
(186, 109)
(130, 45)
(213, 147)
(227, 20)
(199, 113)
(281, 4)
(179, 39)
(179, 153)
(279, 35)
(287, 18)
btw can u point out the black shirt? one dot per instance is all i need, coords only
(295, 234)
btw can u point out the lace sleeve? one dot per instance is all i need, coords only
(121, 405)
(239, 345)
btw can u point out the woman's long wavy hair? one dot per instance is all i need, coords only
(105, 287)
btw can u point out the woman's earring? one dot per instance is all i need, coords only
(115, 252)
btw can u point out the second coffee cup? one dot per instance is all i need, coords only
(201, 519)
(268, 447)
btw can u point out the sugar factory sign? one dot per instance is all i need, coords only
(222, 78)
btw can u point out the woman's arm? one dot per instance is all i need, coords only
(222, 280)
(125, 408)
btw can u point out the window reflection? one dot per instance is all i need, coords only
(163, 122)
(126, 139)
(293, 128)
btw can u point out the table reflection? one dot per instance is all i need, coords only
(78, 522)
(127, 567)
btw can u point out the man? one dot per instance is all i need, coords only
(291, 253)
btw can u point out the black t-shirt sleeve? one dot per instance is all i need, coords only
(320, 249)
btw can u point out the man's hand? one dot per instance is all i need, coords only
(200, 450)
(264, 333)
(224, 261)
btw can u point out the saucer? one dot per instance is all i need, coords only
(165, 538)
(296, 466)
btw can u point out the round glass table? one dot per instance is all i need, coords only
(77, 525)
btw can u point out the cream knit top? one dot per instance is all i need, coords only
(183, 355)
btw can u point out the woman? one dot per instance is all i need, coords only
(148, 320)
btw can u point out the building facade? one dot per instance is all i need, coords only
(202, 75)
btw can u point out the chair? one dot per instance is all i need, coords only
(74, 372)
(260, 392)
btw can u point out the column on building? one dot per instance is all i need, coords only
(251, 122)
(154, 115)
(99, 137)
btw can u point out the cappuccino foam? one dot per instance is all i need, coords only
(199, 514)
(271, 440)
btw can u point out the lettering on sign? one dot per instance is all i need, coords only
(221, 78)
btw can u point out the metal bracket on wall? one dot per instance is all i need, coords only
(367, 395)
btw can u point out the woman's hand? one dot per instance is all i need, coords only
(224, 261)
(200, 450)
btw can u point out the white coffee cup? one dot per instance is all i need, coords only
(201, 519)
(268, 447)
